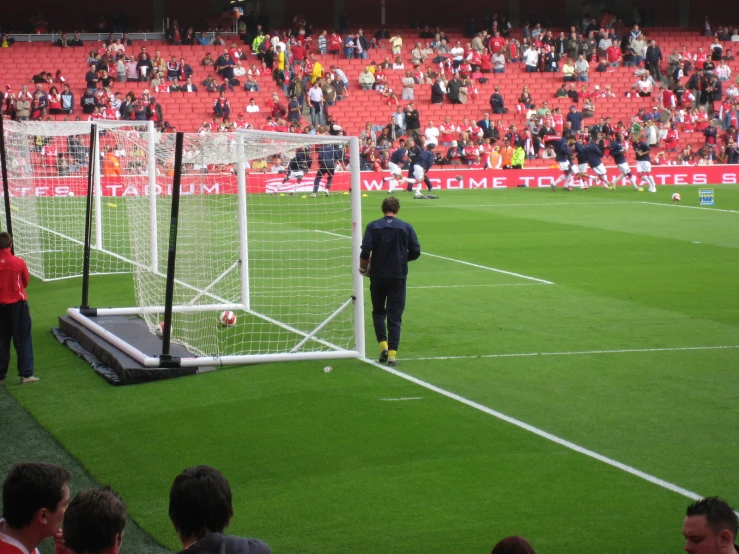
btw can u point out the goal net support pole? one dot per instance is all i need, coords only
(243, 228)
(151, 162)
(93, 181)
(6, 188)
(358, 280)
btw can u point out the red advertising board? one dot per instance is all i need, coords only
(442, 179)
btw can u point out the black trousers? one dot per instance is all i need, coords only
(388, 303)
(323, 170)
(15, 323)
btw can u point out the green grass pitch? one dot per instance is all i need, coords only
(631, 353)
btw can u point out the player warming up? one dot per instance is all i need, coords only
(644, 163)
(328, 155)
(421, 166)
(594, 155)
(297, 167)
(563, 155)
(395, 166)
(580, 169)
(618, 152)
(391, 244)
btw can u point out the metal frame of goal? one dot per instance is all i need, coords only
(292, 305)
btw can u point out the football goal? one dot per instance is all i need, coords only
(203, 234)
(48, 169)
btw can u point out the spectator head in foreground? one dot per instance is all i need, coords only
(710, 527)
(200, 507)
(94, 522)
(513, 545)
(35, 497)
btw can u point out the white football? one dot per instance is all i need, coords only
(159, 330)
(676, 197)
(70, 193)
(227, 318)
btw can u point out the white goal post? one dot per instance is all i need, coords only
(278, 256)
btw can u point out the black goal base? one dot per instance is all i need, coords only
(114, 365)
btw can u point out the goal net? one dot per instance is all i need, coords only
(48, 165)
(254, 243)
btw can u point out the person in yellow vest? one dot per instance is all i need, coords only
(519, 158)
(317, 72)
(110, 165)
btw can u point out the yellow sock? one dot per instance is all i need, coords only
(391, 354)
(383, 345)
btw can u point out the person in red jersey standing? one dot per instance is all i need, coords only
(15, 317)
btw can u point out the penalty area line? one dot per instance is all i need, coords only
(478, 266)
(573, 353)
(540, 432)
(690, 207)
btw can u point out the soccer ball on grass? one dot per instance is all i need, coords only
(676, 197)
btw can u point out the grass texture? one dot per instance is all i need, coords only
(630, 353)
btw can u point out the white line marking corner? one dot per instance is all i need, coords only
(541, 433)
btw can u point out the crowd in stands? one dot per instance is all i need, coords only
(693, 92)
(37, 506)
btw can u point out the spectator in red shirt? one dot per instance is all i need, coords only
(613, 55)
(35, 497)
(15, 317)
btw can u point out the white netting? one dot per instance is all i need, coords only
(281, 261)
(47, 180)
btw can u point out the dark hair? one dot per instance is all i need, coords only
(93, 521)
(200, 502)
(513, 545)
(5, 240)
(31, 487)
(390, 205)
(719, 514)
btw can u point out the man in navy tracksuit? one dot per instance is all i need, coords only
(15, 318)
(421, 166)
(328, 155)
(391, 244)
(618, 153)
(594, 157)
(563, 155)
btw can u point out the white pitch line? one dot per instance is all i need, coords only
(541, 433)
(495, 269)
(573, 353)
(477, 286)
(487, 268)
(403, 399)
(690, 207)
(540, 204)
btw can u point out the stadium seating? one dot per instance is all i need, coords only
(187, 111)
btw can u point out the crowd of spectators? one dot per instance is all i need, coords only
(37, 506)
(693, 92)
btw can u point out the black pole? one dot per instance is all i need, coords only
(166, 358)
(88, 219)
(6, 187)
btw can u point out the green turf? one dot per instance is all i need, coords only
(319, 463)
